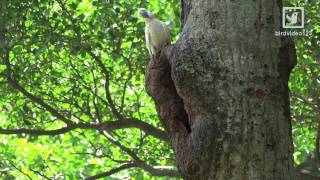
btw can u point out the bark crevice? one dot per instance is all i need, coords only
(161, 88)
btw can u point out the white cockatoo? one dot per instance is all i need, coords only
(293, 19)
(157, 32)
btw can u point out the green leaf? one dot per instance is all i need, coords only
(3, 68)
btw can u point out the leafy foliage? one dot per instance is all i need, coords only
(60, 53)
(305, 85)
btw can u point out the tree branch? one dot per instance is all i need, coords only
(106, 85)
(106, 126)
(38, 132)
(97, 59)
(150, 169)
(40, 174)
(134, 123)
(303, 117)
(112, 171)
(139, 162)
(18, 169)
(158, 171)
(14, 83)
(39, 101)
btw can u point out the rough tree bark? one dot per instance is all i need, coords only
(221, 91)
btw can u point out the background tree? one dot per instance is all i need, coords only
(73, 72)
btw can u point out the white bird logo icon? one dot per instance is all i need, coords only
(293, 19)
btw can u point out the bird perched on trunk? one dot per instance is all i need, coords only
(156, 32)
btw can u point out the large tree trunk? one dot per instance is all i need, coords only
(221, 91)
